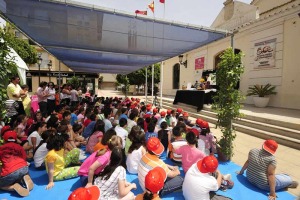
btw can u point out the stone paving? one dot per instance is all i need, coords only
(288, 159)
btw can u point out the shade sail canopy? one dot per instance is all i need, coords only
(93, 39)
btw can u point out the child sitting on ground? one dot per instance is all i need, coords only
(175, 144)
(136, 150)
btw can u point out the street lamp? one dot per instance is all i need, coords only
(49, 67)
(39, 63)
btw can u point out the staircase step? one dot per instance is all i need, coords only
(252, 125)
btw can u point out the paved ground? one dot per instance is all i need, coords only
(288, 159)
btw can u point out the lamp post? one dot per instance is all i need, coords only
(39, 63)
(49, 67)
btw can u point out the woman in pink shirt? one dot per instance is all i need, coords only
(97, 161)
(190, 153)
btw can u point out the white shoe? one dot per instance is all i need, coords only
(227, 177)
(82, 156)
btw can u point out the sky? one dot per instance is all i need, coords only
(196, 12)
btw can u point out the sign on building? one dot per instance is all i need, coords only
(264, 53)
(199, 63)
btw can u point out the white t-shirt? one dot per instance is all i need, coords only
(173, 119)
(52, 93)
(130, 124)
(109, 188)
(121, 132)
(197, 185)
(37, 136)
(74, 95)
(133, 160)
(40, 155)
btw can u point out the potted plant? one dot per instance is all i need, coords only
(261, 94)
(227, 100)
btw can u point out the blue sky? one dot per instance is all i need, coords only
(198, 12)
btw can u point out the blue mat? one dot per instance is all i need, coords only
(242, 188)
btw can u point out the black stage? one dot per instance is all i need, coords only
(194, 97)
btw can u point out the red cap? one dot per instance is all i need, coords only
(162, 113)
(155, 179)
(270, 146)
(4, 129)
(59, 116)
(208, 164)
(169, 112)
(90, 193)
(132, 106)
(155, 110)
(179, 110)
(148, 105)
(10, 136)
(185, 114)
(196, 132)
(204, 124)
(147, 115)
(155, 146)
(199, 122)
(148, 108)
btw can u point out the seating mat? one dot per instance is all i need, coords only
(242, 189)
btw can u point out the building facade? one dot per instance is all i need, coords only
(267, 32)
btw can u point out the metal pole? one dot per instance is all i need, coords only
(161, 82)
(231, 40)
(146, 85)
(49, 75)
(152, 87)
(39, 73)
(59, 85)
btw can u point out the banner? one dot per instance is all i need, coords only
(199, 63)
(162, 1)
(264, 53)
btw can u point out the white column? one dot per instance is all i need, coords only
(161, 82)
(146, 85)
(152, 83)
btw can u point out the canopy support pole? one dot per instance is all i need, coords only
(161, 82)
(152, 87)
(146, 85)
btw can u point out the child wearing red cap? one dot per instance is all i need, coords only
(14, 166)
(261, 165)
(208, 138)
(154, 182)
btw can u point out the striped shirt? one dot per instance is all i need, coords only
(147, 163)
(11, 107)
(109, 188)
(259, 160)
(179, 142)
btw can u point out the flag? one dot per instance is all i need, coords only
(151, 6)
(162, 1)
(140, 12)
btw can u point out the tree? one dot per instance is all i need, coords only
(139, 77)
(8, 68)
(227, 100)
(74, 82)
(27, 52)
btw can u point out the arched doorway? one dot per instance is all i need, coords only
(176, 76)
(218, 60)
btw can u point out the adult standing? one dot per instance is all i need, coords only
(261, 165)
(74, 97)
(65, 94)
(51, 98)
(13, 93)
(42, 93)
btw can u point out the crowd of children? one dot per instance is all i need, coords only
(117, 135)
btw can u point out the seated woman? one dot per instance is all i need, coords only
(57, 161)
(112, 180)
(13, 166)
(96, 162)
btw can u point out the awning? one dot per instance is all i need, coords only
(93, 39)
(22, 67)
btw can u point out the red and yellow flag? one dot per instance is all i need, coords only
(151, 6)
(140, 12)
